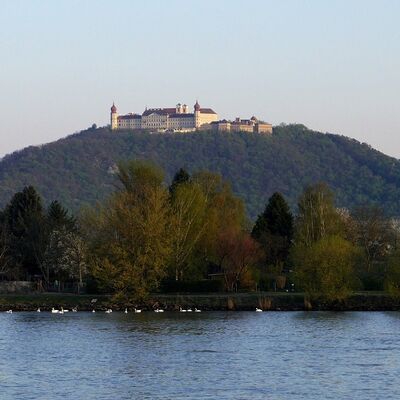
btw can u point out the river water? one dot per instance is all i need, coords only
(211, 355)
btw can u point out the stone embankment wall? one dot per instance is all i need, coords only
(207, 302)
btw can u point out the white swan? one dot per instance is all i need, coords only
(158, 310)
(38, 310)
(189, 310)
(75, 309)
(93, 310)
(9, 312)
(182, 309)
(108, 311)
(137, 311)
(54, 311)
(61, 311)
(197, 310)
(258, 309)
(126, 311)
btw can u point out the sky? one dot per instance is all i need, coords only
(333, 66)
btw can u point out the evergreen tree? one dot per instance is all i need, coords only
(22, 208)
(274, 230)
(182, 176)
(58, 217)
(6, 265)
(27, 229)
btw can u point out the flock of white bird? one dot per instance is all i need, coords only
(109, 310)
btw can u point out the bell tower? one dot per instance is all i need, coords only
(197, 115)
(114, 117)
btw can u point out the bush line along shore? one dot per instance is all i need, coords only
(363, 301)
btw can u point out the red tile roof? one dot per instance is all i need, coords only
(181, 115)
(169, 111)
(130, 116)
(207, 111)
(159, 111)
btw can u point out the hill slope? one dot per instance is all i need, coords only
(77, 169)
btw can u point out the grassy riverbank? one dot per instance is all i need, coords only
(268, 301)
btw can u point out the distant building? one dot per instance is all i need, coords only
(252, 125)
(164, 119)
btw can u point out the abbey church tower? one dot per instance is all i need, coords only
(197, 115)
(114, 117)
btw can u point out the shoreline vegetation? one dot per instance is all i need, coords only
(267, 301)
(149, 241)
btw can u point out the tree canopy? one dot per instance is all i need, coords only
(274, 231)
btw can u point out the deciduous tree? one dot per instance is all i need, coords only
(65, 256)
(326, 268)
(224, 212)
(323, 259)
(317, 216)
(187, 226)
(130, 243)
(372, 232)
(238, 252)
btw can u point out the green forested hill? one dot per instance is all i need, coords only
(78, 169)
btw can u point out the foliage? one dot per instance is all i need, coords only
(181, 177)
(27, 230)
(325, 268)
(128, 235)
(6, 261)
(138, 177)
(224, 212)
(65, 256)
(274, 231)
(187, 225)
(80, 169)
(238, 252)
(148, 236)
(323, 259)
(392, 278)
(372, 232)
(317, 216)
(59, 218)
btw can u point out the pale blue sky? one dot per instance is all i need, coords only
(332, 65)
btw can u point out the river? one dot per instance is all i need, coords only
(210, 355)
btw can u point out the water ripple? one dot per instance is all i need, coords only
(212, 355)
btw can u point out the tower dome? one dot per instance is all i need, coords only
(113, 109)
(197, 106)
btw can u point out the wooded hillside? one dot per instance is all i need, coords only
(79, 169)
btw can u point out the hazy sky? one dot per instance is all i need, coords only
(331, 65)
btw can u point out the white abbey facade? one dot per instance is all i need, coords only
(165, 119)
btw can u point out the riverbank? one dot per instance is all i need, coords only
(267, 301)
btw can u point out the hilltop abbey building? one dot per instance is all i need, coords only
(161, 119)
(179, 119)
